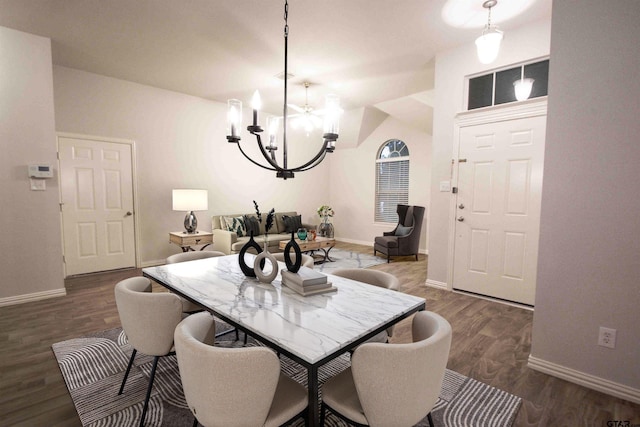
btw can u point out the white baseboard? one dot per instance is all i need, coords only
(436, 284)
(370, 244)
(153, 263)
(586, 380)
(36, 296)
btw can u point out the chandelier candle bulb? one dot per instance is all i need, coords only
(256, 104)
(234, 119)
(272, 129)
(332, 117)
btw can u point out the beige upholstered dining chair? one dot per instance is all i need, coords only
(188, 306)
(307, 260)
(373, 277)
(393, 384)
(193, 255)
(233, 386)
(149, 320)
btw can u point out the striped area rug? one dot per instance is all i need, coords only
(93, 368)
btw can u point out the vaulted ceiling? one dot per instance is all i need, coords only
(372, 53)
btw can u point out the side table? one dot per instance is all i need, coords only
(187, 240)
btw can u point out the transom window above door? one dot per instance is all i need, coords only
(499, 86)
(392, 180)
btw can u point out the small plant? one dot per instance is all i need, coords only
(258, 214)
(325, 212)
(269, 221)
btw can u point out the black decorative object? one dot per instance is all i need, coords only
(249, 271)
(291, 266)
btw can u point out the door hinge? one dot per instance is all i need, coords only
(454, 190)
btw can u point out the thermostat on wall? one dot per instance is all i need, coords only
(40, 171)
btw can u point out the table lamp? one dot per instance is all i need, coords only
(190, 200)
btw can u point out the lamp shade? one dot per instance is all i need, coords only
(190, 200)
(488, 45)
(522, 88)
(332, 114)
(234, 117)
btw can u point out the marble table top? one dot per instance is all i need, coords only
(311, 327)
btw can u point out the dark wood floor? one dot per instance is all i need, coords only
(491, 342)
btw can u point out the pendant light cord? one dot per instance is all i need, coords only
(286, 77)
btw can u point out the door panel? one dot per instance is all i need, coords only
(97, 194)
(498, 208)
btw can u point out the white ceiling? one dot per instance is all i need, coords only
(369, 52)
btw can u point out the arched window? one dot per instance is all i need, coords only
(392, 180)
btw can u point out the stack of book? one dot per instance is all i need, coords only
(307, 282)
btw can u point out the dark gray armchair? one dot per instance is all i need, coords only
(404, 240)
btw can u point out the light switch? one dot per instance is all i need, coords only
(445, 186)
(38, 184)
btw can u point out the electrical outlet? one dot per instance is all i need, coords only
(607, 337)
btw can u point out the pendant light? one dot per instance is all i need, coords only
(488, 44)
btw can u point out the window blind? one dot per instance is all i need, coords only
(392, 188)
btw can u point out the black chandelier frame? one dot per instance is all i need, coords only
(268, 152)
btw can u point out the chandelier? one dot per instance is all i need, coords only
(234, 119)
(488, 43)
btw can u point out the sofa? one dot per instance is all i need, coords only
(229, 238)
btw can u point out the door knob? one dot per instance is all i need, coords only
(129, 213)
(460, 218)
(461, 206)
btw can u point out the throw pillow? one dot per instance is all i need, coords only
(401, 230)
(223, 224)
(252, 225)
(236, 224)
(292, 223)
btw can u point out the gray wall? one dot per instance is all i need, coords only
(589, 266)
(31, 260)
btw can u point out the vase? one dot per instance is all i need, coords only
(259, 263)
(325, 229)
(302, 234)
(246, 270)
(292, 244)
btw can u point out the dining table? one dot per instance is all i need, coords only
(311, 330)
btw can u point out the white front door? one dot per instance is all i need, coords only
(96, 189)
(498, 208)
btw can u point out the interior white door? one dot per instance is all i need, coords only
(97, 205)
(498, 208)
